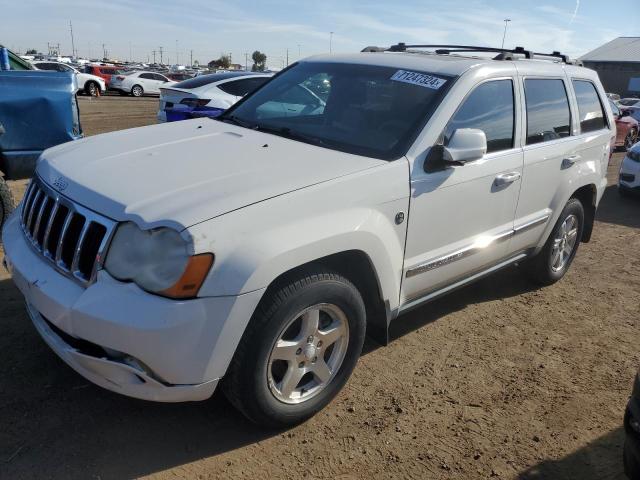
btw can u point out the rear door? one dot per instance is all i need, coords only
(550, 145)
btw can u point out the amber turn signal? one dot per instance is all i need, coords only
(193, 277)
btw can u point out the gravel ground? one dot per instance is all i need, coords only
(501, 379)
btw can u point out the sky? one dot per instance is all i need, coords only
(132, 29)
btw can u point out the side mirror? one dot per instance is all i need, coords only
(465, 145)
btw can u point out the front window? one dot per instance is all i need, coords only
(360, 109)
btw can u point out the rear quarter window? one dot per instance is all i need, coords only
(590, 109)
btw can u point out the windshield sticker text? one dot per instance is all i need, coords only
(420, 79)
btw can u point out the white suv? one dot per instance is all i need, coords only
(257, 250)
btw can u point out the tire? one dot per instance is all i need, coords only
(91, 89)
(256, 382)
(6, 201)
(629, 140)
(631, 465)
(137, 91)
(546, 267)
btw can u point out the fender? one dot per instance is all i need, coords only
(256, 244)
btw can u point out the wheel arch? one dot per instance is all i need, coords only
(587, 195)
(357, 267)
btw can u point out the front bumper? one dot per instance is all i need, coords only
(146, 346)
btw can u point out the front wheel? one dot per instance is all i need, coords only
(553, 261)
(299, 349)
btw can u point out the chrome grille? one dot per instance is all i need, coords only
(73, 238)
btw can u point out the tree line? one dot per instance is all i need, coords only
(224, 62)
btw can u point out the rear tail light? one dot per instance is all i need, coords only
(195, 102)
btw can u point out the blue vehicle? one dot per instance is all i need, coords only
(38, 110)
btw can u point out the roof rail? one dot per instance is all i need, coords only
(503, 53)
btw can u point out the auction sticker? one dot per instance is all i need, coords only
(420, 79)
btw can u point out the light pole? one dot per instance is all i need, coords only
(504, 35)
(330, 42)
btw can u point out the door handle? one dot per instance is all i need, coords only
(506, 178)
(570, 161)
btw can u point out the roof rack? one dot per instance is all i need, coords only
(503, 53)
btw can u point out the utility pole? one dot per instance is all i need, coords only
(73, 45)
(154, 56)
(160, 55)
(506, 22)
(104, 52)
(246, 61)
(287, 57)
(191, 59)
(330, 42)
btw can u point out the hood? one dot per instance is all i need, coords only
(182, 173)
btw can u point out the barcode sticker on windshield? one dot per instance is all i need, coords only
(420, 79)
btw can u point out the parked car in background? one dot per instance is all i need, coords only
(27, 97)
(629, 102)
(629, 176)
(613, 97)
(103, 71)
(87, 83)
(206, 95)
(255, 251)
(626, 127)
(179, 77)
(139, 83)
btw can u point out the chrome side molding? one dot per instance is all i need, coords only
(479, 245)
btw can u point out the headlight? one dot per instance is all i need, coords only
(157, 260)
(634, 155)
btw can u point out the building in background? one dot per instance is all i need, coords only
(618, 64)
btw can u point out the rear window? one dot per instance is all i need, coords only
(589, 107)
(242, 87)
(203, 80)
(548, 114)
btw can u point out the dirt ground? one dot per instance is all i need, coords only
(500, 380)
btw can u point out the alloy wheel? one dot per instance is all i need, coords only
(564, 243)
(308, 353)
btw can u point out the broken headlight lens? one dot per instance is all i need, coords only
(154, 259)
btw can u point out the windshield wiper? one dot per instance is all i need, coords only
(288, 133)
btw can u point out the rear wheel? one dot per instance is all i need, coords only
(553, 261)
(91, 89)
(6, 201)
(299, 349)
(137, 91)
(630, 140)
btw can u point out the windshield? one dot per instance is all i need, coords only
(360, 109)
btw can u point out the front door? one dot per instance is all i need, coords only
(461, 218)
